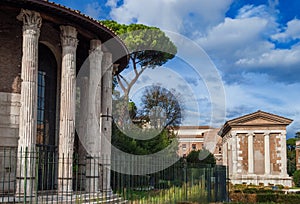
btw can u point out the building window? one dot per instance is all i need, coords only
(194, 147)
(41, 123)
(183, 147)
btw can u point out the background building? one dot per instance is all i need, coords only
(198, 137)
(298, 154)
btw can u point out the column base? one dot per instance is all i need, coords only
(265, 180)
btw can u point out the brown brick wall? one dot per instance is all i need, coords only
(243, 143)
(259, 152)
(275, 154)
(10, 51)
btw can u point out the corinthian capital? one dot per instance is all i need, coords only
(68, 36)
(31, 20)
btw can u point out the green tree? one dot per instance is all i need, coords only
(296, 178)
(133, 138)
(141, 147)
(297, 136)
(162, 106)
(291, 155)
(202, 156)
(148, 47)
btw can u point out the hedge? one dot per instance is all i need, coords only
(278, 198)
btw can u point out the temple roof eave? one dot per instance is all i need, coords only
(76, 18)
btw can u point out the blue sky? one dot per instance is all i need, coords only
(254, 45)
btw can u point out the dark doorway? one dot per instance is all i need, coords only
(46, 119)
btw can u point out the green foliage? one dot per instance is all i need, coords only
(296, 178)
(278, 198)
(291, 162)
(267, 197)
(297, 136)
(201, 156)
(132, 109)
(149, 46)
(169, 195)
(140, 147)
(291, 155)
(291, 143)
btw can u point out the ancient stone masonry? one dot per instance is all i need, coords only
(250, 153)
(267, 152)
(28, 111)
(40, 59)
(257, 160)
(106, 119)
(93, 139)
(67, 110)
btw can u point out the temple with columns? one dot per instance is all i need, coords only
(43, 47)
(254, 149)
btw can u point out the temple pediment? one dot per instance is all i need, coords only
(260, 118)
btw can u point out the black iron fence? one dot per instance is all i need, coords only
(44, 176)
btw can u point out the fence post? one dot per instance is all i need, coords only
(26, 172)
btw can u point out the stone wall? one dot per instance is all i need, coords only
(9, 119)
(9, 130)
(259, 152)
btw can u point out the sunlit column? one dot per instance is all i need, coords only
(267, 152)
(67, 108)
(250, 153)
(106, 119)
(32, 22)
(93, 138)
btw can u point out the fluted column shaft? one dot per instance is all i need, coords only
(267, 153)
(67, 108)
(93, 142)
(283, 154)
(250, 154)
(106, 118)
(234, 153)
(32, 22)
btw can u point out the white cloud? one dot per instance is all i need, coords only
(259, 92)
(242, 43)
(238, 45)
(93, 9)
(291, 32)
(181, 16)
(111, 3)
(235, 36)
(283, 58)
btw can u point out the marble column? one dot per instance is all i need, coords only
(250, 153)
(32, 22)
(106, 119)
(67, 108)
(93, 141)
(283, 154)
(234, 153)
(267, 153)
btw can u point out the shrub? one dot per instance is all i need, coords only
(288, 198)
(296, 178)
(250, 190)
(266, 197)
